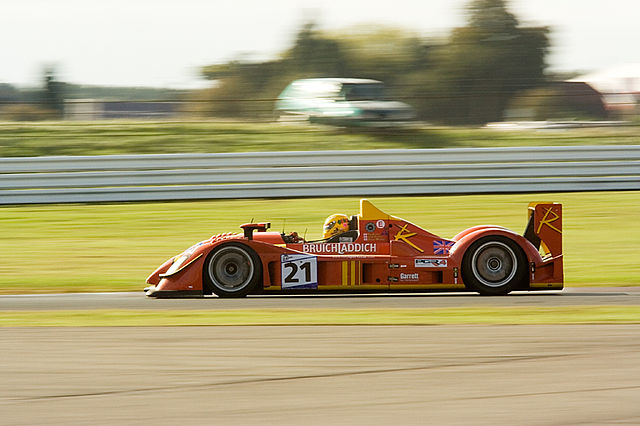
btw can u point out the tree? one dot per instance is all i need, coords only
(315, 55)
(382, 53)
(243, 89)
(53, 93)
(8, 94)
(487, 61)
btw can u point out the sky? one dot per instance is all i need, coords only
(164, 43)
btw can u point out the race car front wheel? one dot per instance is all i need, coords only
(494, 265)
(232, 270)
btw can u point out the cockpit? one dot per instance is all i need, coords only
(337, 228)
(347, 231)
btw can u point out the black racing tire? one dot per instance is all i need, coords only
(232, 270)
(494, 266)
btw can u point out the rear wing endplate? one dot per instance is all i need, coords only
(544, 227)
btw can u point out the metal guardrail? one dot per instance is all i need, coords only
(112, 178)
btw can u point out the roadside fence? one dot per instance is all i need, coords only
(124, 178)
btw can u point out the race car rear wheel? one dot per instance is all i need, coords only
(232, 270)
(494, 265)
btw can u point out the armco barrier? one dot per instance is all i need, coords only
(112, 178)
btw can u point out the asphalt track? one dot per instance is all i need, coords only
(348, 375)
(572, 296)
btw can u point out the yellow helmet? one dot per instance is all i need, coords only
(335, 224)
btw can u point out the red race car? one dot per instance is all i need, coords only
(372, 251)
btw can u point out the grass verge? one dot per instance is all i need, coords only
(146, 137)
(475, 315)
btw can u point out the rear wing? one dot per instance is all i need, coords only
(544, 228)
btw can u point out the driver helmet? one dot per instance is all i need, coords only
(335, 224)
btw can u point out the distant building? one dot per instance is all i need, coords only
(581, 96)
(83, 110)
(619, 86)
(91, 109)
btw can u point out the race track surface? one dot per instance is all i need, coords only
(324, 375)
(572, 296)
(347, 375)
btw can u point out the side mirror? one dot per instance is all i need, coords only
(250, 227)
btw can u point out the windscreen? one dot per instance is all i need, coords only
(363, 92)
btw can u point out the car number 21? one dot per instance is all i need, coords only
(299, 271)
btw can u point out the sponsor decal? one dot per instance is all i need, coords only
(404, 235)
(442, 246)
(409, 277)
(430, 263)
(374, 237)
(340, 248)
(380, 224)
(351, 273)
(548, 221)
(370, 227)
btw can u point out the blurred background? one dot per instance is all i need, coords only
(85, 78)
(466, 63)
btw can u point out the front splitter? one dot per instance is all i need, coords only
(175, 294)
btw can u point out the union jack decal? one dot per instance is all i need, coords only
(442, 246)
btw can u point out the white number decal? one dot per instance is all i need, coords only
(299, 271)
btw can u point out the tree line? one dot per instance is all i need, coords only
(469, 77)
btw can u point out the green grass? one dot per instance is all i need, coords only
(113, 247)
(472, 315)
(143, 137)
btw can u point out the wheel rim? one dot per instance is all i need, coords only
(231, 269)
(494, 264)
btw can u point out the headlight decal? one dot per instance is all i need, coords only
(179, 264)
